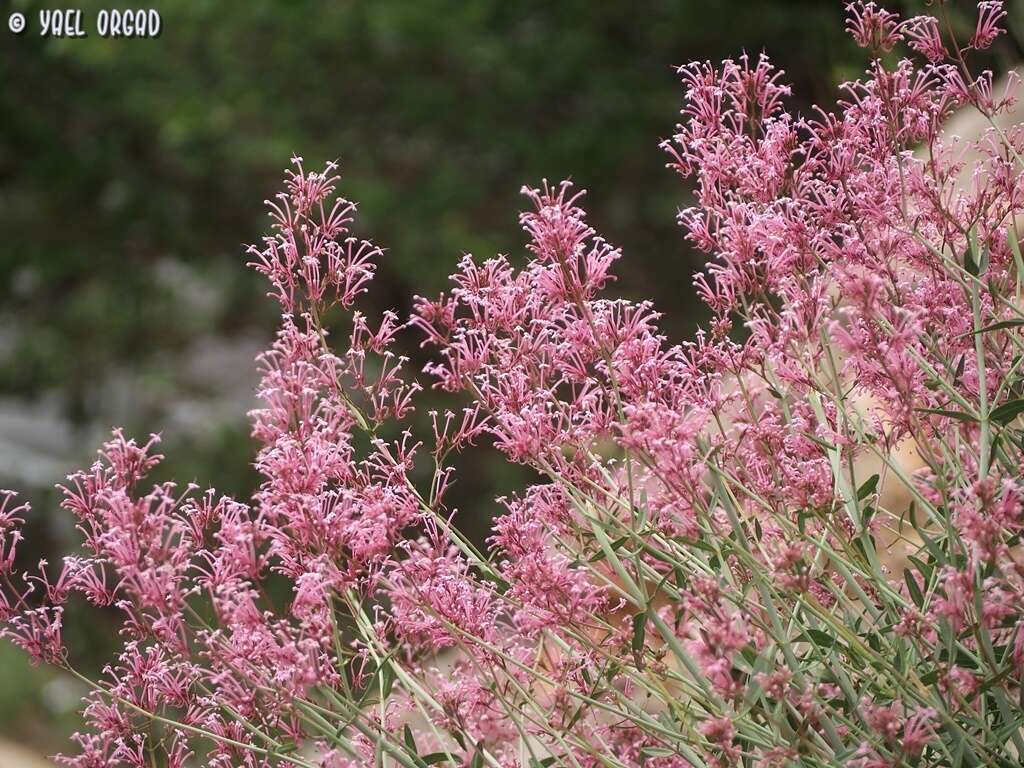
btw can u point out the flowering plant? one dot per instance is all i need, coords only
(792, 541)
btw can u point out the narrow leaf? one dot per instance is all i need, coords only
(970, 264)
(958, 415)
(867, 488)
(639, 635)
(1007, 412)
(1002, 325)
(820, 639)
(410, 740)
(387, 679)
(434, 758)
(915, 590)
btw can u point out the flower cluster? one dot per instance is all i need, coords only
(793, 540)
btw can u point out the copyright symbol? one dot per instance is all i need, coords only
(16, 23)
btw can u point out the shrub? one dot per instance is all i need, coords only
(792, 541)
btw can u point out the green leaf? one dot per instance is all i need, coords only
(434, 758)
(1011, 238)
(868, 488)
(915, 590)
(958, 415)
(387, 679)
(995, 443)
(1000, 326)
(801, 520)
(1007, 412)
(924, 569)
(820, 639)
(639, 635)
(615, 546)
(865, 518)
(933, 548)
(970, 264)
(975, 261)
(823, 443)
(410, 740)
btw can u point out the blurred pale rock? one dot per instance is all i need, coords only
(12, 756)
(212, 385)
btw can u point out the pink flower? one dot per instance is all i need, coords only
(435, 601)
(10, 535)
(872, 27)
(721, 733)
(923, 35)
(990, 14)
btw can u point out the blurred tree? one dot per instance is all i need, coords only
(131, 170)
(118, 155)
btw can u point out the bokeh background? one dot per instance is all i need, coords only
(132, 171)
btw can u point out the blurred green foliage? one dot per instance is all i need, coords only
(121, 157)
(116, 154)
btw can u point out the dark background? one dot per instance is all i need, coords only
(132, 171)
